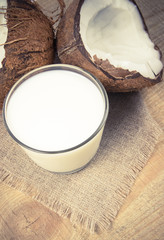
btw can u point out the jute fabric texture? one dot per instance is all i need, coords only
(93, 196)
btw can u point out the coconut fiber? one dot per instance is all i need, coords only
(93, 196)
(29, 43)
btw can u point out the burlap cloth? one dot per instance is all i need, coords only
(93, 196)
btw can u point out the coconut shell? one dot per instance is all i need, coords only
(29, 43)
(72, 51)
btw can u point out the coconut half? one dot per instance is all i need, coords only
(26, 41)
(109, 39)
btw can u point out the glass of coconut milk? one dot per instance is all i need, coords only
(57, 114)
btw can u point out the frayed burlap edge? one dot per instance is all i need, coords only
(81, 218)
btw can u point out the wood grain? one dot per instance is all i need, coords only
(140, 218)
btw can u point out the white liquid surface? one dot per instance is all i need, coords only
(55, 110)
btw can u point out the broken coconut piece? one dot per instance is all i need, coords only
(3, 30)
(26, 41)
(110, 40)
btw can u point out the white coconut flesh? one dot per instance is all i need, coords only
(3, 29)
(113, 30)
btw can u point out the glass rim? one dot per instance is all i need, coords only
(58, 66)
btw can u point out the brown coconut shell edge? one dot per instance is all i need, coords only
(30, 43)
(72, 51)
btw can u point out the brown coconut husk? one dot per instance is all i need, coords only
(72, 51)
(30, 43)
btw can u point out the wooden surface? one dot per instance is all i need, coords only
(140, 218)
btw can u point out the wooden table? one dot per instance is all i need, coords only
(140, 218)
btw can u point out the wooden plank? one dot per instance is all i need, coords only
(140, 218)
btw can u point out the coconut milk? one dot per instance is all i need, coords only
(55, 115)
